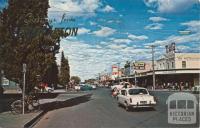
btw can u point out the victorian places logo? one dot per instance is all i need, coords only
(182, 108)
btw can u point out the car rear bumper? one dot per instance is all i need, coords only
(142, 105)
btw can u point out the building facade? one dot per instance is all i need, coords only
(172, 69)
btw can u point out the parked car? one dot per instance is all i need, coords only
(135, 98)
(86, 87)
(1, 90)
(120, 86)
(94, 86)
(48, 89)
(196, 89)
(77, 88)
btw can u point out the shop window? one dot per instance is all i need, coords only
(173, 65)
(183, 64)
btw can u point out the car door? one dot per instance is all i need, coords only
(121, 97)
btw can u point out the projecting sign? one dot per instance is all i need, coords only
(139, 65)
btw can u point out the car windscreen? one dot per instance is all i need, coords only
(137, 91)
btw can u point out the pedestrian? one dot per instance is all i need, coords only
(180, 86)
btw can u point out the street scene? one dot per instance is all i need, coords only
(99, 63)
(102, 111)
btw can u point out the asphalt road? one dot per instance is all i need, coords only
(102, 111)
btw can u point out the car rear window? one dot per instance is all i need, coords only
(137, 91)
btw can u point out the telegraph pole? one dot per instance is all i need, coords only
(99, 77)
(135, 78)
(23, 90)
(118, 71)
(153, 66)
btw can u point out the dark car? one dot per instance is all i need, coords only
(86, 87)
(1, 90)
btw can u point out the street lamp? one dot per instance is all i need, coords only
(2, 74)
(135, 78)
(24, 83)
(153, 67)
(118, 71)
(1, 81)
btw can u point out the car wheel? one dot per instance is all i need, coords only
(49, 91)
(127, 108)
(117, 98)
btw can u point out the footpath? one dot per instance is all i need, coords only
(8, 120)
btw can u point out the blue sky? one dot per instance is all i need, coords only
(112, 31)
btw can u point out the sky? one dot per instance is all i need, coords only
(112, 31)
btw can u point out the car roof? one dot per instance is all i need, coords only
(134, 88)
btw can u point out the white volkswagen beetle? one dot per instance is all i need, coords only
(135, 98)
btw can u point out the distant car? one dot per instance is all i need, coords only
(1, 90)
(135, 98)
(48, 89)
(86, 87)
(77, 88)
(196, 89)
(94, 86)
(106, 85)
(120, 86)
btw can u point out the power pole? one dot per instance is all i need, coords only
(99, 77)
(135, 78)
(23, 90)
(153, 65)
(118, 71)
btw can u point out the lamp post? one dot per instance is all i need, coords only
(23, 91)
(1, 82)
(135, 78)
(118, 71)
(153, 66)
(2, 74)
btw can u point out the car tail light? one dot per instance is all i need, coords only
(130, 100)
(155, 99)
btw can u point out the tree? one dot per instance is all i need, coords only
(76, 79)
(51, 76)
(64, 76)
(27, 37)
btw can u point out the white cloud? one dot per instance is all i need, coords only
(108, 8)
(191, 38)
(151, 11)
(170, 6)
(82, 31)
(72, 7)
(182, 47)
(193, 25)
(104, 32)
(121, 41)
(110, 21)
(116, 46)
(134, 37)
(103, 42)
(157, 19)
(154, 26)
(93, 23)
(86, 60)
(178, 39)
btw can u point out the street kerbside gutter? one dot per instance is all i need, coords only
(37, 118)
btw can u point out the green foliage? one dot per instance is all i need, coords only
(76, 79)
(27, 37)
(64, 76)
